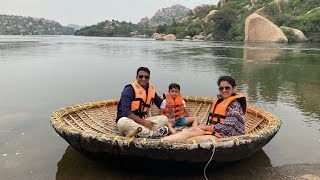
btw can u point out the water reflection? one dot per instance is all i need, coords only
(73, 165)
(262, 51)
(266, 72)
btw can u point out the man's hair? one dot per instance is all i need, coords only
(229, 79)
(174, 85)
(145, 69)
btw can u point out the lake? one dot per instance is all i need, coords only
(40, 74)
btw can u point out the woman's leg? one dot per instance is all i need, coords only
(183, 135)
(202, 138)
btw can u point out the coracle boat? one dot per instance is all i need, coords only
(90, 128)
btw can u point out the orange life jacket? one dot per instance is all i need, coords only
(219, 109)
(174, 109)
(142, 102)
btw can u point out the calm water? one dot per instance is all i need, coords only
(38, 75)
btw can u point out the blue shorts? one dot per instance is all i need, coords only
(179, 122)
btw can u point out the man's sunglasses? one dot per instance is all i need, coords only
(227, 88)
(141, 77)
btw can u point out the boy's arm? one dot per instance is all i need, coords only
(186, 112)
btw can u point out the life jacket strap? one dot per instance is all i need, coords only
(211, 116)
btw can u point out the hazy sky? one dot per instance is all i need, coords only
(88, 12)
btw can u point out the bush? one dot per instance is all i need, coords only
(291, 36)
(221, 24)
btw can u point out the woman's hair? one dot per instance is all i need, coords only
(229, 79)
(145, 69)
(174, 85)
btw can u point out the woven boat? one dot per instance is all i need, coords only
(90, 128)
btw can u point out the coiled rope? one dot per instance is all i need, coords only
(205, 168)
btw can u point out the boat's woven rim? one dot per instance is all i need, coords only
(56, 120)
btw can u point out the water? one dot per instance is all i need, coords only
(40, 74)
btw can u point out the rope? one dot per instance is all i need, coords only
(205, 168)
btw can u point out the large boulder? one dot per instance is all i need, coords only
(169, 37)
(299, 35)
(260, 29)
(157, 36)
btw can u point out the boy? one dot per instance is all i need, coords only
(174, 107)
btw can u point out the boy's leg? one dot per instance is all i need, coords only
(196, 121)
(171, 129)
(191, 120)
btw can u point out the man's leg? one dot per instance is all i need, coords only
(160, 120)
(127, 125)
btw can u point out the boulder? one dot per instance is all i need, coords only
(223, 2)
(187, 37)
(169, 37)
(300, 37)
(134, 33)
(260, 29)
(253, 2)
(313, 10)
(157, 36)
(247, 7)
(198, 37)
(209, 37)
(281, 1)
(211, 13)
(260, 12)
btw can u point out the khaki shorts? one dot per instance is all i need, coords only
(127, 125)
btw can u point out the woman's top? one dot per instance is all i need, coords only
(234, 122)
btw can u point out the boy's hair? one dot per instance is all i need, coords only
(145, 69)
(174, 85)
(229, 79)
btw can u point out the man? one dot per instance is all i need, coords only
(136, 99)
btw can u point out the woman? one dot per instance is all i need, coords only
(226, 118)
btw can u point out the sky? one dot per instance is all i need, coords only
(89, 12)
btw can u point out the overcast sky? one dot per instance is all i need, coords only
(88, 12)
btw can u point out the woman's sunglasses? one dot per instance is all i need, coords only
(227, 88)
(141, 77)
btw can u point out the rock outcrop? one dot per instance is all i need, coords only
(300, 37)
(260, 29)
(167, 16)
(211, 13)
(169, 37)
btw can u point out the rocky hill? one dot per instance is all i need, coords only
(21, 25)
(114, 28)
(167, 15)
(75, 26)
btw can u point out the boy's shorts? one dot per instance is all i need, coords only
(179, 122)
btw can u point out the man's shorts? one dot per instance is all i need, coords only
(179, 122)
